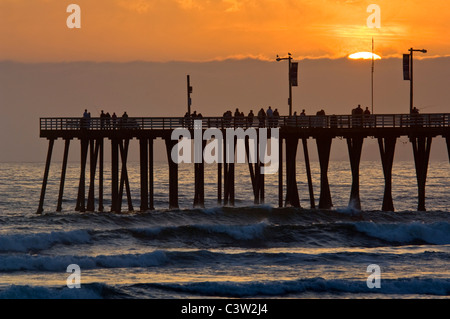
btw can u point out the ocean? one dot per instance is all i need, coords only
(246, 251)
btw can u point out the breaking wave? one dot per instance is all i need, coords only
(401, 286)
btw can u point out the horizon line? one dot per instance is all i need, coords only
(260, 58)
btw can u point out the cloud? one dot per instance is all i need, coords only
(139, 6)
(190, 4)
(235, 5)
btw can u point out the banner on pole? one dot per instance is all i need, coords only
(406, 67)
(293, 74)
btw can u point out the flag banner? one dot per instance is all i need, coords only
(293, 73)
(406, 67)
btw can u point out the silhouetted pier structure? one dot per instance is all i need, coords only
(387, 128)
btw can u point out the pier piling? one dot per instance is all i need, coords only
(387, 149)
(323, 149)
(421, 150)
(81, 201)
(354, 145)
(447, 139)
(292, 198)
(199, 177)
(100, 175)
(280, 173)
(51, 142)
(308, 173)
(115, 206)
(151, 174)
(173, 174)
(63, 174)
(94, 149)
(143, 162)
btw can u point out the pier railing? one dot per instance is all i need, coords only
(169, 123)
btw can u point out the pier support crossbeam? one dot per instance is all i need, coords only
(256, 177)
(123, 147)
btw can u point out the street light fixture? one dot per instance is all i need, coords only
(289, 57)
(411, 76)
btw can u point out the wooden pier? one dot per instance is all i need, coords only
(92, 133)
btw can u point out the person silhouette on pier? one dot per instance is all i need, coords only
(269, 114)
(102, 119)
(367, 120)
(237, 116)
(108, 120)
(89, 120)
(85, 119)
(261, 117)
(276, 117)
(250, 118)
(114, 120)
(124, 119)
(357, 116)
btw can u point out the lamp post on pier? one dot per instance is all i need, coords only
(293, 67)
(410, 78)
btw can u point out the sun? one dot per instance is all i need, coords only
(364, 56)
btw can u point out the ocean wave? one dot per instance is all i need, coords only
(401, 286)
(40, 241)
(237, 232)
(432, 233)
(268, 289)
(314, 234)
(87, 291)
(200, 258)
(60, 263)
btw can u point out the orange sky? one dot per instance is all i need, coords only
(202, 30)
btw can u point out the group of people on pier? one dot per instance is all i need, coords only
(264, 118)
(269, 118)
(361, 117)
(107, 121)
